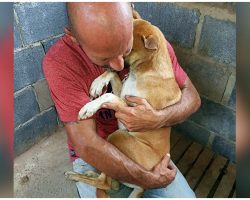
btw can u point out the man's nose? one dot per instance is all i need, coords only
(117, 63)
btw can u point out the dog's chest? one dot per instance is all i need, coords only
(129, 87)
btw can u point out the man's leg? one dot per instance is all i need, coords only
(84, 190)
(88, 191)
(179, 188)
(123, 192)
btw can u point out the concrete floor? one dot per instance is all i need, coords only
(39, 172)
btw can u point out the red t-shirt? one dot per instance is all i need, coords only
(69, 73)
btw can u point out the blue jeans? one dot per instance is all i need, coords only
(179, 188)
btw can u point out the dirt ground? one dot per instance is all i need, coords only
(39, 172)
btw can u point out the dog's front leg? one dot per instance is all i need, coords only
(90, 108)
(116, 84)
(103, 80)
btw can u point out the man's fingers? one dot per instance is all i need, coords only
(164, 167)
(171, 165)
(123, 122)
(121, 116)
(137, 100)
(117, 107)
(111, 106)
(163, 164)
(166, 160)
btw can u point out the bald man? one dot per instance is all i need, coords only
(99, 36)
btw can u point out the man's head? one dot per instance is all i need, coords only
(103, 30)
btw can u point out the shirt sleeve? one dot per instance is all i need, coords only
(180, 74)
(67, 94)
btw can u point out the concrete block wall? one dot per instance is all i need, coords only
(36, 27)
(204, 38)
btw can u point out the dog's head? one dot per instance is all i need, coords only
(147, 42)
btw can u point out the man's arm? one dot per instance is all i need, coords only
(108, 159)
(143, 117)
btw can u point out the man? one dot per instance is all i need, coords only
(101, 35)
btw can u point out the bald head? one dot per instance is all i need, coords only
(105, 16)
(102, 28)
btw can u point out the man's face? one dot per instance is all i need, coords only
(112, 57)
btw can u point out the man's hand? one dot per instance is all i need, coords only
(141, 117)
(162, 175)
(144, 117)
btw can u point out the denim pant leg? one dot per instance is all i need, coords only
(123, 192)
(179, 188)
(88, 191)
(84, 190)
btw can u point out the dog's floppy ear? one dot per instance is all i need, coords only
(136, 15)
(150, 42)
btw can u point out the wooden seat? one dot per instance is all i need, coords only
(208, 174)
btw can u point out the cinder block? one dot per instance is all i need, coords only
(43, 95)
(224, 147)
(25, 106)
(34, 130)
(28, 66)
(209, 79)
(218, 40)
(39, 21)
(230, 6)
(232, 100)
(178, 24)
(194, 131)
(229, 88)
(17, 38)
(217, 118)
(49, 43)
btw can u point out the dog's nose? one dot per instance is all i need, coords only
(117, 63)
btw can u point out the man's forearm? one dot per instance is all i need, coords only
(179, 112)
(104, 156)
(112, 162)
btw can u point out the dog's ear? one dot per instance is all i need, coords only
(136, 15)
(150, 42)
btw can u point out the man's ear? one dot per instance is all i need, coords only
(68, 32)
(150, 42)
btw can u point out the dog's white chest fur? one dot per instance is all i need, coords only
(129, 87)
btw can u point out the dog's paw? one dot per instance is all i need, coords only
(70, 175)
(97, 85)
(88, 110)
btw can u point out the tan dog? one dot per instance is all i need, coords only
(150, 77)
